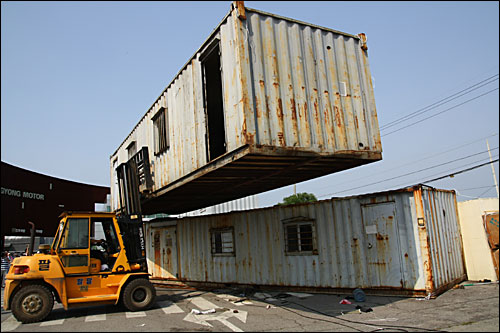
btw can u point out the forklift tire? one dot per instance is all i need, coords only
(32, 303)
(139, 294)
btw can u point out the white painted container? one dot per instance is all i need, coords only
(398, 242)
(265, 102)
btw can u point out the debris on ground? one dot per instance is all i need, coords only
(345, 301)
(199, 312)
(426, 298)
(359, 295)
(364, 308)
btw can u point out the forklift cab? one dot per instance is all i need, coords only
(87, 243)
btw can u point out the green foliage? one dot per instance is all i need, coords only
(298, 198)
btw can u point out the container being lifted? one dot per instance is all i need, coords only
(265, 102)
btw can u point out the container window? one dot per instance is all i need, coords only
(161, 135)
(131, 149)
(222, 242)
(299, 237)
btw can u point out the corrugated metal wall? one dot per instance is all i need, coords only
(446, 250)
(371, 241)
(245, 203)
(311, 86)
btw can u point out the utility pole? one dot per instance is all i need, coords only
(492, 168)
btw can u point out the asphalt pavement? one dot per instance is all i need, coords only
(470, 307)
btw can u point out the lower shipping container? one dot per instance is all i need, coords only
(401, 242)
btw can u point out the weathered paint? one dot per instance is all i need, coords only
(372, 241)
(290, 89)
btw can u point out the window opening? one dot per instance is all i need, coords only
(104, 243)
(222, 241)
(76, 234)
(131, 149)
(160, 123)
(214, 107)
(299, 236)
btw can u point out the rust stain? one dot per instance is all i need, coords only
(294, 110)
(338, 120)
(281, 139)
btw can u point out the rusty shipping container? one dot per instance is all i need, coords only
(401, 242)
(265, 102)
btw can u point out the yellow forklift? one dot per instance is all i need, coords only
(96, 258)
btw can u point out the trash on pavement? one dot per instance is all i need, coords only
(359, 295)
(363, 308)
(344, 301)
(426, 298)
(198, 312)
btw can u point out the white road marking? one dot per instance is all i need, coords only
(97, 317)
(52, 322)
(232, 327)
(169, 307)
(135, 314)
(10, 324)
(203, 304)
(203, 319)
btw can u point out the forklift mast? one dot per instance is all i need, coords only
(134, 178)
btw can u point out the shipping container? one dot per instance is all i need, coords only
(265, 102)
(400, 242)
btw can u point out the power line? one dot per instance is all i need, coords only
(438, 103)
(412, 162)
(407, 174)
(453, 107)
(485, 192)
(459, 172)
(418, 181)
(476, 188)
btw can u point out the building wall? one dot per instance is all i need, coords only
(30, 196)
(477, 251)
(370, 241)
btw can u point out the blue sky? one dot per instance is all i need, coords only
(76, 77)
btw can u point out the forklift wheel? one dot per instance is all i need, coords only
(32, 303)
(139, 295)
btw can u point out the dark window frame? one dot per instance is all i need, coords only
(131, 149)
(161, 131)
(218, 246)
(300, 236)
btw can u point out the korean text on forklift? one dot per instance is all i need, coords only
(79, 270)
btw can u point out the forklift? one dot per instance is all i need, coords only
(96, 258)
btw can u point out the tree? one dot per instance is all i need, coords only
(298, 198)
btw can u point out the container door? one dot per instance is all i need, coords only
(157, 253)
(169, 253)
(383, 249)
